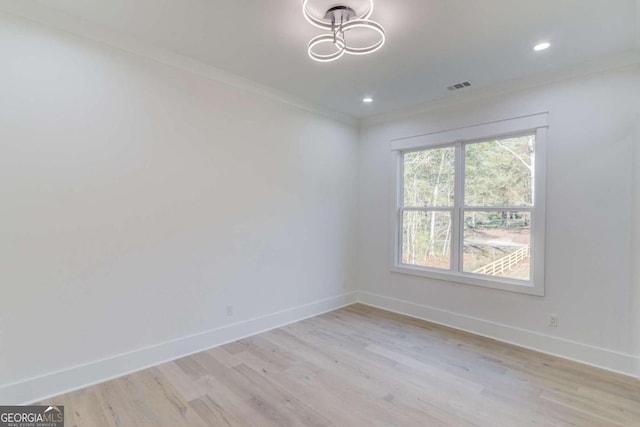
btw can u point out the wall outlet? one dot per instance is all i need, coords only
(553, 320)
(229, 310)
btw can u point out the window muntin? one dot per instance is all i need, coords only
(467, 208)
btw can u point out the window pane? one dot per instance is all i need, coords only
(429, 177)
(497, 244)
(426, 239)
(500, 172)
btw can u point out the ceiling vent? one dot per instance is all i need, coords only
(459, 86)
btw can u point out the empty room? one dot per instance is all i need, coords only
(319, 213)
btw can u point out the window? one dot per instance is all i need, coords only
(472, 211)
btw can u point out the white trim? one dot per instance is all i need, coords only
(395, 200)
(610, 360)
(499, 283)
(52, 18)
(77, 377)
(472, 132)
(74, 378)
(531, 123)
(457, 220)
(538, 242)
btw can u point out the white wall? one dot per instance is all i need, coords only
(590, 214)
(138, 200)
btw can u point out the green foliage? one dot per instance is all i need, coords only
(429, 177)
(498, 173)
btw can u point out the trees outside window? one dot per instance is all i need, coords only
(468, 209)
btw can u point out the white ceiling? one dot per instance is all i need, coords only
(430, 43)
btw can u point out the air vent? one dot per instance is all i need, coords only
(459, 86)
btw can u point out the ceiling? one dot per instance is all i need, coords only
(431, 44)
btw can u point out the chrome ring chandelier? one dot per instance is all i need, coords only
(339, 20)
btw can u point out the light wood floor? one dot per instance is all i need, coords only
(360, 366)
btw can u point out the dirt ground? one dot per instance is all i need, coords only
(489, 245)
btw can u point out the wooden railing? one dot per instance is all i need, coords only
(505, 263)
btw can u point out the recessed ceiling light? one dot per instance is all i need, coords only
(367, 100)
(541, 46)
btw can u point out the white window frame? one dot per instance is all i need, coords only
(524, 125)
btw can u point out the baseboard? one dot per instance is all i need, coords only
(622, 363)
(77, 377)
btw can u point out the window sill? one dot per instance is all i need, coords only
(518, 286)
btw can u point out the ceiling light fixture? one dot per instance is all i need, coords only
(541, 46)
(367, 100)
(338, 20)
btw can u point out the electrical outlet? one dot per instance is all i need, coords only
(229, 310)
(553, 320)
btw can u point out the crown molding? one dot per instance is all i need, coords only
(61, 21)
(601, 64)
(58, 20)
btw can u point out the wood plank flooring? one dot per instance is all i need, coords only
(361, 366)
